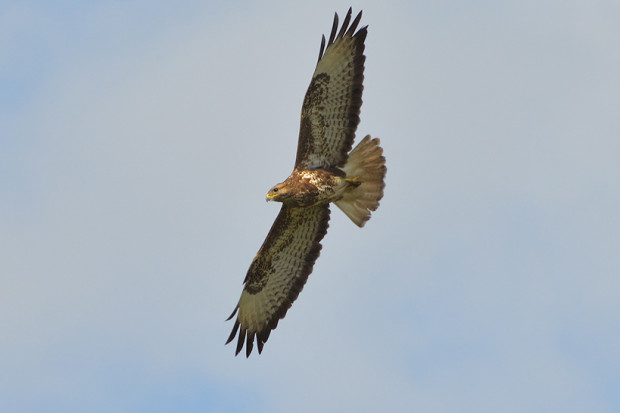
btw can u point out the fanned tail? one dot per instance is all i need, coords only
(365, 170)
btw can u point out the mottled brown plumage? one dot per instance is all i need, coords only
(330, 113)
(324, 172)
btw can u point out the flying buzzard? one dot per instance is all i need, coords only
(324, 172)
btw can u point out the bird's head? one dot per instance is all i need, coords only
(278, 193)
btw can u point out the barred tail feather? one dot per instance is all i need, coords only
(365, 169)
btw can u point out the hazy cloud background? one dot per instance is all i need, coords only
(139, 139)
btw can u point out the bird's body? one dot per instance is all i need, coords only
(310, 187)
(326, 171)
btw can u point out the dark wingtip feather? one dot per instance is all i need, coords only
(345, 23)
(332, 36)
(240, 341)
(233, 332)
(261, 339)
(233, 313)
(322, 49)
(249, 344)
(356, 21)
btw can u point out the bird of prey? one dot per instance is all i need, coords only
(326, 170)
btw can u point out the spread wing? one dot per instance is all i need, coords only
(330, 113)
(278, 273)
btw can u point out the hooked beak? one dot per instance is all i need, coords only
(270, 197)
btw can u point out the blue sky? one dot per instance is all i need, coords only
(139, 139)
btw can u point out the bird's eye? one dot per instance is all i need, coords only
(275, 189)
